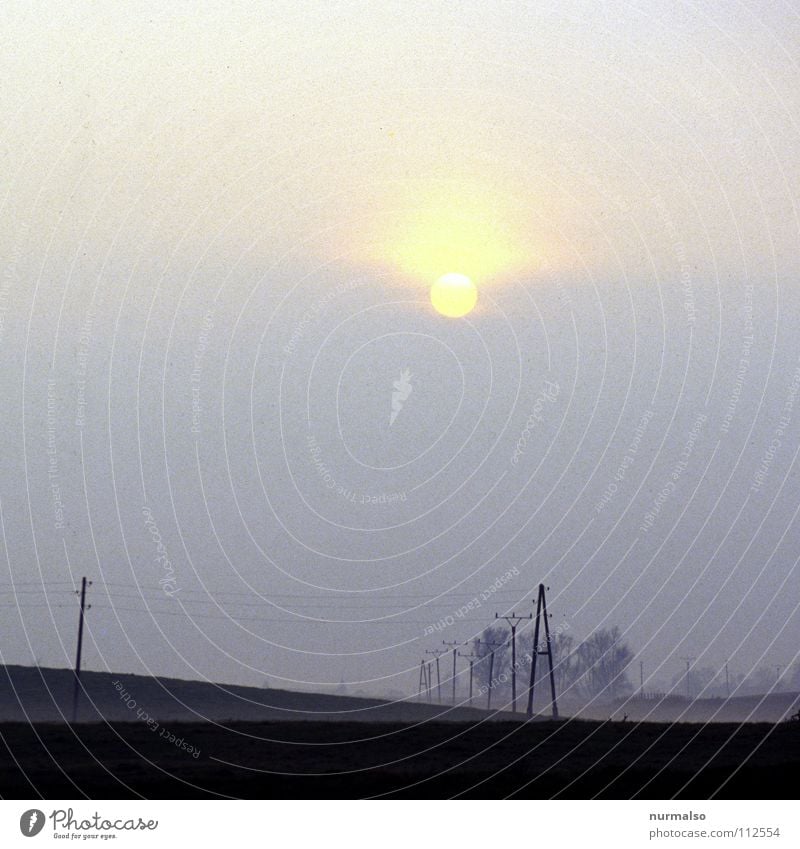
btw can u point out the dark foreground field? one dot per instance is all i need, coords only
(570, 759)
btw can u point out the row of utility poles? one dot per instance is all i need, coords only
(426, 671)
(689, 661)
(426, 686)
(427, 667)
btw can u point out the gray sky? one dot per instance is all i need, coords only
(218, 234)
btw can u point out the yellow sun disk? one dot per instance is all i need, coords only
(454, 295)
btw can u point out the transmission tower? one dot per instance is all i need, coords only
(423, 681)
(437, 653)
(541, 615)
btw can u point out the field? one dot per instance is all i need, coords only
(165, 738)
(570, 759)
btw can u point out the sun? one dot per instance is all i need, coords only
(454, 295)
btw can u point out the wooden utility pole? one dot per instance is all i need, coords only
(84, 608)
(541, 615)
(455, 646)
(471, 658)
(491, 647)
(513, 621)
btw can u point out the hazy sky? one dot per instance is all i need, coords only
(219, 227)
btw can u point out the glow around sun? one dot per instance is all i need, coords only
(454, 295)
(430, 230)
(454, 235)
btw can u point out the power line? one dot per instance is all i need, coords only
(269, 593)
(13, 584)
(30, 592)
(187, 614)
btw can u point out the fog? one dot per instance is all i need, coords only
(213, 276)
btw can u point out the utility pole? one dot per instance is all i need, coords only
(541, 615)
(513, 621)
(727, 681)
(689, 662)
(777, 675)
(471, 658)
(430, 681)
(491, 647)
(491, 680)
(641, 678)
(84, 607)
(437, 653)
(455, 644)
